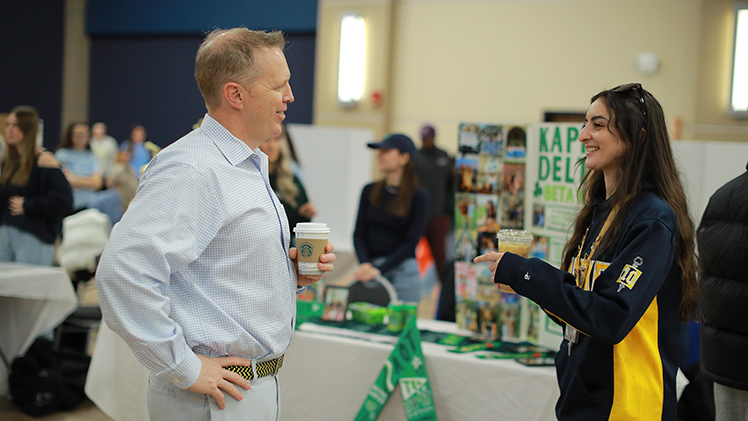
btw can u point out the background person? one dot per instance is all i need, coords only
(436, 174)
(34, 193)
(79, 164)
(105, 148)
(391, 218)
(137, 150)
(287, 186)
(723, 251)
(121, 188)
(198, 277)
(633, 264)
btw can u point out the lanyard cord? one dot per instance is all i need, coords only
(583, 264)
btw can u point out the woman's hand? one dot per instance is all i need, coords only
(366, 272)
(325, 265)
(15, 204)
(307, 210)
(494, 257)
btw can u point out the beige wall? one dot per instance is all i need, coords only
(75, 65)
(455, 61)
(715, 72)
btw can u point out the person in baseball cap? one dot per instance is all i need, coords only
(391, 219)
(397, 141)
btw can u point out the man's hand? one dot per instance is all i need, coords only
(325, 265)
(214, 378)
(494, 258)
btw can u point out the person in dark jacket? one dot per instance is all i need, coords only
(723, 253)
(391, 218)
(34, 194)
(632, 268)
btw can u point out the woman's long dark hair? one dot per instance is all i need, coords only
(400, 205)
(648, 165)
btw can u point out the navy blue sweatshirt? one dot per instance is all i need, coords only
(624, 365)
(379, 233)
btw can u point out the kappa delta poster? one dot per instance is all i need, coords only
(518, 176)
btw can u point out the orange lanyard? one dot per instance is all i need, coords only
(583, 264)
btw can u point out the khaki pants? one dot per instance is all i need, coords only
(169, 403)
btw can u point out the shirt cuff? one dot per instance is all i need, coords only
(185, 374)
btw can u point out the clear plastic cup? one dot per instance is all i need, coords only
(514, 241)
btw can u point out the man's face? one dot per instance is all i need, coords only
(269, 95)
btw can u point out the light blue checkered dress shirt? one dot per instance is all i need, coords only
(199, 262)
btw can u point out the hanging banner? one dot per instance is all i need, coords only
(407, 367)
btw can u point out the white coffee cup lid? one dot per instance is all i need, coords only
(311, 227)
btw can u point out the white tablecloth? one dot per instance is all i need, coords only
(326, 377)
(33, 300)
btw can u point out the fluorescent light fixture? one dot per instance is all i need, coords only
(739, 93)
(351, 64)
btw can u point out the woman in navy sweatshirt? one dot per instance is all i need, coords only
(631, 268)
(391, 219)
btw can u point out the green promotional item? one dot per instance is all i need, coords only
(405, 366)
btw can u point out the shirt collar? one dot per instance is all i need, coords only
(233, 149)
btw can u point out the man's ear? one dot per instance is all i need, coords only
(233, 93)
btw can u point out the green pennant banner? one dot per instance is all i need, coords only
(407, 367)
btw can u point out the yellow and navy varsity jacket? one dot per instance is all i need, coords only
(624, 364)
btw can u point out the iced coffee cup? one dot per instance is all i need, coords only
(311, 239)
(516, 242)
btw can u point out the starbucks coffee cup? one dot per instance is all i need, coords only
(311, 240)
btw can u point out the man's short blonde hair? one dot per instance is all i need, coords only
(228, 55)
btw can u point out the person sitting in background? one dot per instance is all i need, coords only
(285, 183)
(34, 194)
(137, 150)
(105, 148)
(391, 220)
(79, 164)
(121, 187)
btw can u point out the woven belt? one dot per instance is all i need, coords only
(265, 368)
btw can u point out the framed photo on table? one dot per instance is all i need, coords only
(336, 303)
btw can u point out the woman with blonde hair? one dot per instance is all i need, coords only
(286, 184)
(34, 193)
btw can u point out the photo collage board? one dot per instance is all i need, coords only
(490, 195)
(517, 177)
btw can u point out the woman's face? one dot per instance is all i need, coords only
(604, 147)
(13, 133)
(272, 147)
(80, 136)
(390, 160)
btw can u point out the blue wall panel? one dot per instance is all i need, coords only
(31, 69)
(108, 17)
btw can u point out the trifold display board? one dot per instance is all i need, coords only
(517, 176)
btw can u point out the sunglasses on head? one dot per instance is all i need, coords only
(635, 87)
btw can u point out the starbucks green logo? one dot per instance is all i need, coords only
(307, 250)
